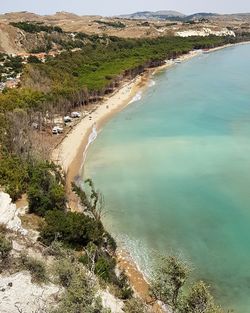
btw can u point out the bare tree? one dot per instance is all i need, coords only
(18, 135)
(199, 300)
(169, 280)
(91, 200)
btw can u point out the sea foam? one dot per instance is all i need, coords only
(137, 97)
(91, 139)
(140, 254)
(92, 136)
(151, 83)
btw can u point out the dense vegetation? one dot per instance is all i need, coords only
(168, 285)
(75, 78)
(33, 59)
(32, 27)
(97, 66)
(46, 190)
(74, 229)
(10, 66)
(14, 175)
(40, 179)
(5, 248)
(118, 24)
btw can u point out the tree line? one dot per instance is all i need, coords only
(32, 27)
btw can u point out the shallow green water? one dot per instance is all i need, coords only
(175, 171)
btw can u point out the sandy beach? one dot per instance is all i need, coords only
(70, 153)
(66, 152)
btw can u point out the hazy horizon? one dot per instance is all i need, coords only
(111, 7)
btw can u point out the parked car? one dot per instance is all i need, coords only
(75, 114)
(57, 130)
(67, 119)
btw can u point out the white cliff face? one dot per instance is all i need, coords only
(9, 214)
(110, 302)
(205, 32)
(19, 294)
(17, 291)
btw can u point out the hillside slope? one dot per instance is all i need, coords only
(136, 25)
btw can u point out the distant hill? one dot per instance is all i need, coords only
(137, 25)
(168, 15)
(240, 15)
(154, 15)
(177, 16)
(21, 16)
(200, 16)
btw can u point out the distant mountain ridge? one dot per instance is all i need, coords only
(167, 14)
(201, 15)
(158, 14)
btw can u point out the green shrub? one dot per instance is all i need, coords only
(36, 268)
(13, 175)
(42, 180)
(64, 271)
(135, 305)
(57, 250)
(109, 242)
(33, 59)
(46, 190)
(15, 63)
(5, 247)
(79, 296)
(21, 98)
(111, 24)
(199, 300)
(34, 27)
(104, 268)
(73, 229)
(3, 229)
(169, 279)
(126, 290)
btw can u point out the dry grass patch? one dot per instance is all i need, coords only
(32, 221)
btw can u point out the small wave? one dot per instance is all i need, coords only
(137, 97)
(140, 254)
(151, 83)
(91, 139)
(145, 258)
(92, 136)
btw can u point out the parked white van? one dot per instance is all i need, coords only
(57, 130)
(75, 114)
(67, 119)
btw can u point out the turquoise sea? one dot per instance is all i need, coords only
(174, 168)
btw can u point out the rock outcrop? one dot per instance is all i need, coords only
(205, 32)
(19, 294)
(9, 214)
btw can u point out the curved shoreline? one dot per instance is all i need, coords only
(71, 155)
(72, 151)
(73, 145)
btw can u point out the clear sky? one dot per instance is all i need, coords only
(113, 7)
